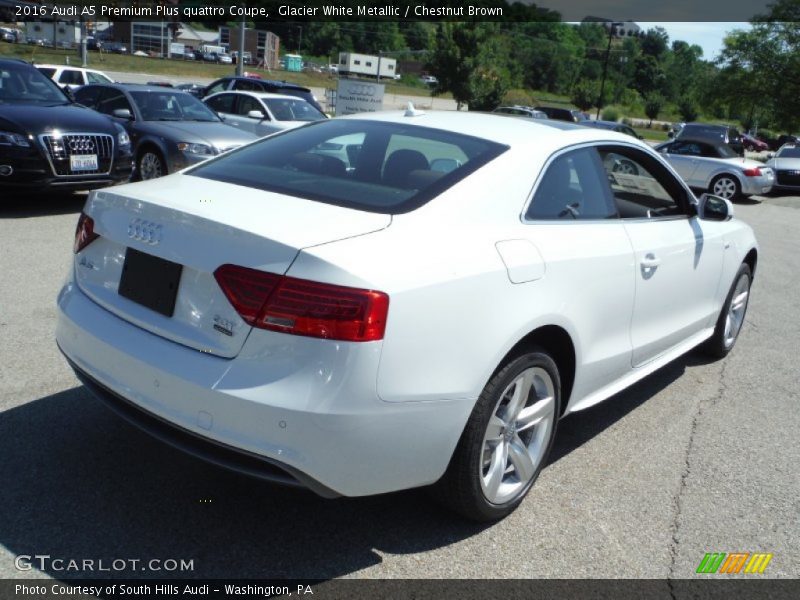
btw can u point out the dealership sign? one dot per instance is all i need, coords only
(355, 96)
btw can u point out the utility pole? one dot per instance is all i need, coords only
(612, 27)
(83, 44)
(240, 58)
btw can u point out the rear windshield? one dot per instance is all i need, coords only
(379, 167)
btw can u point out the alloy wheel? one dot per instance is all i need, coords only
(517, 435)
(737, 309)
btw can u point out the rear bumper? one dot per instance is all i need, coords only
(206, 449)
(289, 409)
(757, 185)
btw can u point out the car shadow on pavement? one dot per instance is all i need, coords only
(25, 205)
(79, 483)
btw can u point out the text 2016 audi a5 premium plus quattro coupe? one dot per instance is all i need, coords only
(394, 300)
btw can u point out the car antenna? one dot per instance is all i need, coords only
(412, 112)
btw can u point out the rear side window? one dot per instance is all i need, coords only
(379, 167)
(247, 85)
(88, 95)
(572, 187)
(97, 77)
(70, 77)
(222, 103)
(47, 71)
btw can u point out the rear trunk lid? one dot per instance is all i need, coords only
(199, 225)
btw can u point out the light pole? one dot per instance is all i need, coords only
(240, 58)
(612, 28)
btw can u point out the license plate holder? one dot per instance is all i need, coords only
(150, 281)
(83, 162)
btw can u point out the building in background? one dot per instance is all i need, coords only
(60, 34)
(262, 45)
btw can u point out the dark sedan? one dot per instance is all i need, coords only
(170, 129)
(47, 141)
(253, 84)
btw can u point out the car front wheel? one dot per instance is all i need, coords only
(731, 319)
(506, 441)
(151, 165)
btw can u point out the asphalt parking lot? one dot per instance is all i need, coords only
(699, 457)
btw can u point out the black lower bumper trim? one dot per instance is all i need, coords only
(201, 447)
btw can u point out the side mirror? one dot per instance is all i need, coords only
(123, 113)
(670, 134)
(714, 208)
(770, 155)
(445, 165)
(256, 114)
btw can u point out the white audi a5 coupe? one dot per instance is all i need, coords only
(393, 300)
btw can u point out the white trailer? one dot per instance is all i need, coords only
(351, 63)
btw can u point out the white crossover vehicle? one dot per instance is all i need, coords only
(392, 300)
(73, 77)
(717, 168)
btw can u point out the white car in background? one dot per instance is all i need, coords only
(360, 322)
(73, 77)
(717, 168)
(262, 113)
(786, 164)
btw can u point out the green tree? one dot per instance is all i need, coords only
(760, 68)
(652, 106)
(585, 94)
(687, 108)
(471, 61)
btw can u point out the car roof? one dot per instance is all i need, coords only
(500, 128)
(271, 82)
(74, 68)
(258, 95)
(140, 87)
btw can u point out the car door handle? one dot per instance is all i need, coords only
(650, 261)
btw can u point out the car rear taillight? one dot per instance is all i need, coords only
(754, 172)
(84, 233)
(246, 289)
(301, 307)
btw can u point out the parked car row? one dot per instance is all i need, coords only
(159, 129)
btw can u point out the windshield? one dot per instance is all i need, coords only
(171, 106)
(284, 109)
(379, 167)
(789, 152)
(726, 151)
(22, 84)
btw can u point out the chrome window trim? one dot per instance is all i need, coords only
(595, 144)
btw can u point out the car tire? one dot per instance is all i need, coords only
(625, 167)
(731, 318)
(150, 165)
(726, 186)
(494, 465)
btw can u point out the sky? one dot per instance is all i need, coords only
(707, 35)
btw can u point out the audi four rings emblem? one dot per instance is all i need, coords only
(361, 90)
(81, 144)
(144, 231)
